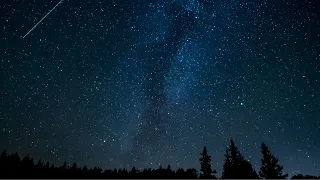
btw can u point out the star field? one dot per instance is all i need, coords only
(142, 83)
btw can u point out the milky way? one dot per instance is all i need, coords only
(142, 83)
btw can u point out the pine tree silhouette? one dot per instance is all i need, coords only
(191, 173)
(27, 166)
(235, 166)
(133, 172)
(39, 165)
(170, 172)
(227, 167)
(270, 169)
(39, 168)
(205, 165)
(74, 170)
(301, 176)
(47, 164)
(179, 173)
(247, 171)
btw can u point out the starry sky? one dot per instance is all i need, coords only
(119, 83)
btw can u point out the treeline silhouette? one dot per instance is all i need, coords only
(235, 167)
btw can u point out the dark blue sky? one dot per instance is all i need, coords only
(122, 83)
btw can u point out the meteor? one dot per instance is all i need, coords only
(42, 19)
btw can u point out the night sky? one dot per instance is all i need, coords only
(122, 83)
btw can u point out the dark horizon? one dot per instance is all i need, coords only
(235, 167)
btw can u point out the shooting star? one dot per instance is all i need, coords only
(43, 18)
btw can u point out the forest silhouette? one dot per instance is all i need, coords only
(235, 167)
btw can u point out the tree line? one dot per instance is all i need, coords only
(235, 167)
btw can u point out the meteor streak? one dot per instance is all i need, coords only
(43, 18)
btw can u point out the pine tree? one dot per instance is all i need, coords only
(235, 166)
(74, 169)
(179, 173)
(3, 155)
(84, 168)
(133, 172)
(227, 167)
(39, 165)
(74, 166)
(64, 166)
(47, 165)
(270, 169)
(191, 173)
(205, 162)
(247, 171)
(169, 172)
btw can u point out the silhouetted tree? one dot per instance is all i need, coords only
(192, 173)
(115, 173)
(169, 172)
(27, 166)
(64, 166)
(205, 165)
(235, 166)
(247, 171)
(3, 162)
(227, 172)
(63, 170)
(179, 173)
(74, 170)
(270, 169)
(47, 164)
(133, 172)
(39, 165)
(96, 172)
(300, 176)
(39, 168)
